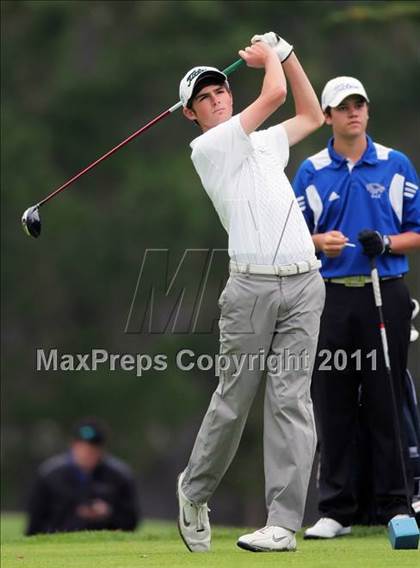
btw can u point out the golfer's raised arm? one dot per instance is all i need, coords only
(274, 90)
(309, 116)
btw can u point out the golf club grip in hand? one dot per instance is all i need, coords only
(372, 242)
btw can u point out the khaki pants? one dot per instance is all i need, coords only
(277, 317)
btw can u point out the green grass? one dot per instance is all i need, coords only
(158, 545)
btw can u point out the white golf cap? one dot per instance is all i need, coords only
(190, 79)
(336, 90)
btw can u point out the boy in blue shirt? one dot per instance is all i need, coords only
(359, 199)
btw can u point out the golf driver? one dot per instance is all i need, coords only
(404, 532)
(31, 220)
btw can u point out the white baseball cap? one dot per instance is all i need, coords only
(336, 90)
(191, 78)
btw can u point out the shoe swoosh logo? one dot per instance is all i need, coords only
(184, 520)
(278, 539)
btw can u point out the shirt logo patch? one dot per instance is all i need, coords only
(333, 196)
(375, 190)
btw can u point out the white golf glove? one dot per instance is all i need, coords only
(280, 45)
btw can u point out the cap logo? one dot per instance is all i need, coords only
(345, 87)
(87, 432)
(194, 74)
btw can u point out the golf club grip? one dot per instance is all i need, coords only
(375, 283)
(233, 67)
(376, 287)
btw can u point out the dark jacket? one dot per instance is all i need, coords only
(60, 487)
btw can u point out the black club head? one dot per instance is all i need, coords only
(31, 222)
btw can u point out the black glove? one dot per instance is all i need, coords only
(373, 242)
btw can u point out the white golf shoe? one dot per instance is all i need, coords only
(268, 539)
(326, 528)
(193, 522)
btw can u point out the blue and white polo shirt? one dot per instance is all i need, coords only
(379, 192)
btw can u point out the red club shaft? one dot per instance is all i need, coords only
(105, 156)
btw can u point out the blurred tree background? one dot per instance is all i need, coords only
(77, 78)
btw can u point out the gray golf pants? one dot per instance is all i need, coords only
(279, 317)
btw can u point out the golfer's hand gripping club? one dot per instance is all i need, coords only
(373, 243)
(280, 45)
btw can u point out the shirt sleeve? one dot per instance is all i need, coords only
(302, 180)
(411, 198)
(276, 139)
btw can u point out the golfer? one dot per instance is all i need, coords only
(360, 193)
(274, 296)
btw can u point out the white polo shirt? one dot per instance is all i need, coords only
(244, 177)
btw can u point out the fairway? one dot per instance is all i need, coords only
(157, 545)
